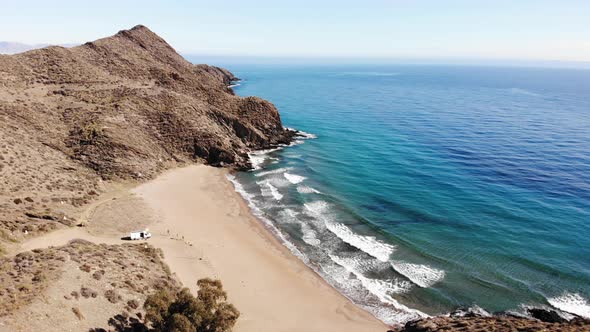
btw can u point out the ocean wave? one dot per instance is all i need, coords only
(273, 171)
(305, 135)
(357, 266)
(257, 212)
(317, 207)
(382, 289)
(307, 190)
(293, 178)
(258, 157)
(422, 275)
(573, 303)
(368, 244)
(290, 216)
(268, 190)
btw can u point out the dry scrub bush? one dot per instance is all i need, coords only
(112, 296)
(181, 311)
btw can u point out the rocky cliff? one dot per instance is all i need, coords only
(123, 107)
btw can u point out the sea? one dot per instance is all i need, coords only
(415, 190)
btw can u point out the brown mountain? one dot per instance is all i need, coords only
(123, 107)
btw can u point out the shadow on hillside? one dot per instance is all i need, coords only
(121, 323)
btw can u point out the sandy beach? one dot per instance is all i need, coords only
(205, 229)
(218, 237)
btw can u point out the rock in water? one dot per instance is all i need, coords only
(549, 316)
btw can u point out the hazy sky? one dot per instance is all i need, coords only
(494, 29)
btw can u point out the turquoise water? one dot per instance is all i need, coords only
(424, 188)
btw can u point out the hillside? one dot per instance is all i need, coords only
(124, 107)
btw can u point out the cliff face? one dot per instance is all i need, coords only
(126, 106)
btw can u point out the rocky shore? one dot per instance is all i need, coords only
(468, 320)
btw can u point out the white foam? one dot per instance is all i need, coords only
(257, 158)
(309, 235)
(382, 289)
(317, 208)
(290, 216)
(233, 85)
(572, 303)
(296, 142)
(422, 275)
(267, 189)
(305, 135)
(256, 161)
(293, 178)
(260, 215)
(273, 171)
(368, 244)
(307, 190)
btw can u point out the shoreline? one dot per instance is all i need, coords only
(215, 234)
(211, 232)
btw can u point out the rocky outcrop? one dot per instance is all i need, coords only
(122, 104)
(123, 107)
(479, 320)
(222, 74)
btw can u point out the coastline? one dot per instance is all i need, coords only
(206, 229)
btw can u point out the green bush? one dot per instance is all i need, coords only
(180, 312)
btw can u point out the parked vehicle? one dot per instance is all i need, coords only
(140, 235)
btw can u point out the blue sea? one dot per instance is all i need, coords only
(420, 189)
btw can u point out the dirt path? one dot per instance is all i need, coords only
(63, 236)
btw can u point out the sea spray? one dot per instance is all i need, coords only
(572, 303)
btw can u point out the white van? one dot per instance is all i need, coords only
(140, 235)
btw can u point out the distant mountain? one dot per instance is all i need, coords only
(7, 47)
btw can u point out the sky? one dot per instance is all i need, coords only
(465, 29)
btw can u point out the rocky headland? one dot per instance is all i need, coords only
(125, 107)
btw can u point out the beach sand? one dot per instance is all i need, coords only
(206, 230)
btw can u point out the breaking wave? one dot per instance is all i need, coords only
(257, 158)
(572, 303)
(382, 289)
(368, 244)
(274, 171)
(267, 189)
(293, 178)
(422, 275)
(260, 215)
(307, 190)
